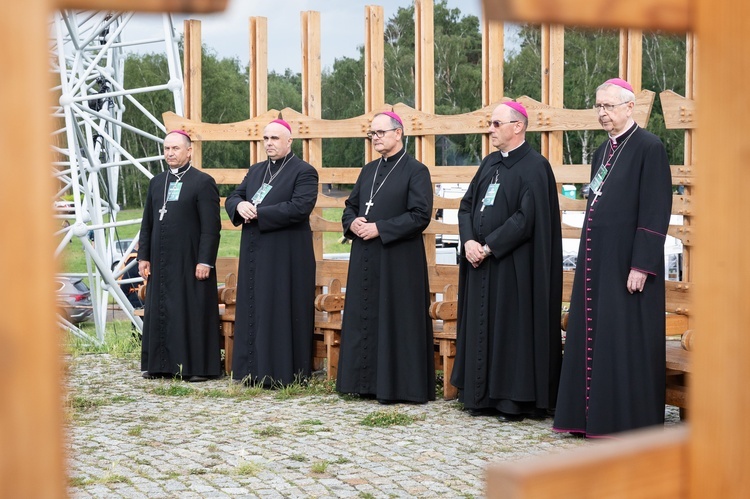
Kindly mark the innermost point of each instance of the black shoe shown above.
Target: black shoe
(196, 379)
(509, 418)
(484, 411)
(386, 402)
(147, 375)
(538, 415)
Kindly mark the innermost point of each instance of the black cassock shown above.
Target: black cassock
(386, 337)
(181, 323)
(508, 349)
(275, 313)
(613, 373)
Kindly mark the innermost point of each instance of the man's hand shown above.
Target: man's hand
(247, 210)
(364, 229)
(144, 269)
(474, 253)
(636, 281)
(202, 271)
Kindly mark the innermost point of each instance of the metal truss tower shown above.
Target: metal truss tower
(88, 51)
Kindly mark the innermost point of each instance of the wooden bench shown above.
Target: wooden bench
(677, 353)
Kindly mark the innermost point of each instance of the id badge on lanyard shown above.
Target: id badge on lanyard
(173, 194)
(490, 195)
(261, 193)
(598, 180)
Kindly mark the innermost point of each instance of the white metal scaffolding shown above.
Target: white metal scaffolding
(88, 51)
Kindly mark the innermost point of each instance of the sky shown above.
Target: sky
(342, 25)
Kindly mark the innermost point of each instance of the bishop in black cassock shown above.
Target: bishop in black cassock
(508, 348)
(613, 373)
(275, 314)
(386, 336)
(177, 250)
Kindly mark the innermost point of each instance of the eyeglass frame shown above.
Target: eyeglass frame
(608, 108)
(380, 133)
(497, 123)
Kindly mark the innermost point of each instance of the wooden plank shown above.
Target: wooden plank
(258, 78)
(187, 6)
(719, 397)
(679, 112)
(678, 358)
(374, 55)
(631, 57)
(648, 463)
(32, 424)
(669, 15)
(542, 118)
(192, 69)
(493, 55)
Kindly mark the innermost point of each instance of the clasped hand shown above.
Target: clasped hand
(474, 253)
(247, 210)
(364, 229)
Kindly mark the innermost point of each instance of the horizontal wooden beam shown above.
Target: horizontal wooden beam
(542, 118)
(194, 6)
(669, 15)
(645, 463)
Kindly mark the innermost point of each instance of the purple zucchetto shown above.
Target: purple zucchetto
(620, 83)
(283, 123)
(517, 106)
(394, 116)
(181, 132)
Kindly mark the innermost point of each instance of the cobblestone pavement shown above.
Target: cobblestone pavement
(136, 438)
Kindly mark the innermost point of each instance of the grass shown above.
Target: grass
(119, 341)
(319, 467)
(269, 431)
(173, 389)
(247, 468)
(135, 431)
(388, 418)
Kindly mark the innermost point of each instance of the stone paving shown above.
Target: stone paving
(135, 438)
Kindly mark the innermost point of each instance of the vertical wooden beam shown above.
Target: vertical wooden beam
(424, 93)
(553, 73)
(192, 69)
(719, 399)
(311, 95)
(374, 65)
(493, 59)
(691, 53)
(31, 419)
(424, 73)
(631, 57)
(258, 78)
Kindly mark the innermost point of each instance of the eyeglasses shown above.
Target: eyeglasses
(497, 123)
(607, 107)
(379, 133)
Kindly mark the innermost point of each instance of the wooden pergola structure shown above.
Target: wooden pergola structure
(708, 458)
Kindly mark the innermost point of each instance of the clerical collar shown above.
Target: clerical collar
(273, 161)
(393, 157)
(505, 154)
(181, 169)
(616, 138)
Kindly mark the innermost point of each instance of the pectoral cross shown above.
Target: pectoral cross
(162, 211)
(369, 205)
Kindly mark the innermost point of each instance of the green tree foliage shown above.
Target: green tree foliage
(458, 73)
(591, 57)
